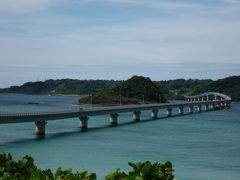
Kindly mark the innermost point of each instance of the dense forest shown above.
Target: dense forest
(176, 89)
(62, 86)
(136, 90)
(171, 89)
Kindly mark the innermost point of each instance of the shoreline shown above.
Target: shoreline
(67, 95)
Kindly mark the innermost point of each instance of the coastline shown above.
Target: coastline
(66, 95)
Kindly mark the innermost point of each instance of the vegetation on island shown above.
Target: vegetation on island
(62, 86)
(25, 169)
(170, 89)
(177, 89)
(136, 90)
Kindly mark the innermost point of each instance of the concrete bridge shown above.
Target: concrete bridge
(208, 96)
(40, 119)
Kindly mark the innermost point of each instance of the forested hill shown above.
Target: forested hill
(229, 86)
(171, 89)
(176, 89)
(63, 86)
(136, 90)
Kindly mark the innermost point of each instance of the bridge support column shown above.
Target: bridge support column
(169, 112)
(154, 114)
(199, 108)
(190, 109)
(206, 107)
(180, 110)
(221, 105)
(136, 115)
(84, 122)
(40, 127)
(228, 106)
(113, 120)
(213, 106)
(207, 98)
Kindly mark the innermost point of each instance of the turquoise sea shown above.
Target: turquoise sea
(202, 146)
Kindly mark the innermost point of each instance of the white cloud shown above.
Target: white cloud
(198, 33)
(24, 6)
(150, 3)
(150, 41)
(60, 39)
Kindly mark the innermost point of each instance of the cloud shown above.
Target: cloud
(24, 6)
(150, 41)
(169, 4)
(189, 37)
(116, 33)
(148, 3)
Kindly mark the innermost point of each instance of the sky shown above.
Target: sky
(115, 39)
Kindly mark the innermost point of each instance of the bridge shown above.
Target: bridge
(208, 96)
(40, 118)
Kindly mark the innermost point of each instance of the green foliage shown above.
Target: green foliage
(139, 86)
(63, 86)
(132, 91)
(25, 169)
(144, 171)
(176, 89)
(68, 174)
(229, 86)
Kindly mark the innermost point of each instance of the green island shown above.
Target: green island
(136, 90)
(25, 169)
(169, 89)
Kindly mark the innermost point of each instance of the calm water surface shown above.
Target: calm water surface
(202, 146)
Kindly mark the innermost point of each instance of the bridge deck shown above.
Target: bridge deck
(46, 116)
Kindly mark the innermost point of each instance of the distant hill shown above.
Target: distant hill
(171, 89)
(135, 90)
(229, 86)
(176, 89)
(62, 86)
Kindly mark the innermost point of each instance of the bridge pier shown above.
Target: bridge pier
(211, 106)
(84, 122)
(154, 114)
(136, 115)
(40, 127)
(169, 112)
(206, 107)
(180, 110)
(113, 120)
(199, 108)
(227, 105)
(221, 106)
(190, 109)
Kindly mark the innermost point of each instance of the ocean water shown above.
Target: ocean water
(202, 146)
